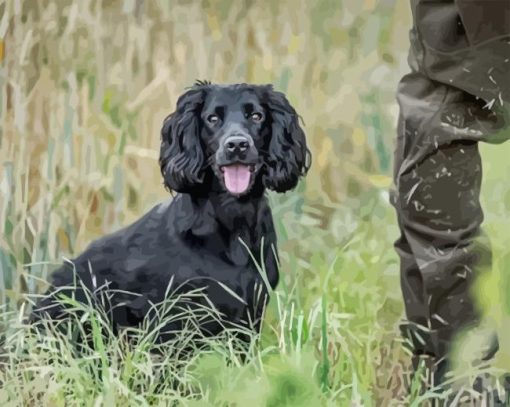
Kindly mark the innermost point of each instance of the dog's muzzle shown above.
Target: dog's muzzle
(238, 157)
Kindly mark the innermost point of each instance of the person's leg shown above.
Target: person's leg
(415, 329)
(453, 99)
(437, 179)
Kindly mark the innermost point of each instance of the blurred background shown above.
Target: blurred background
(85, 86)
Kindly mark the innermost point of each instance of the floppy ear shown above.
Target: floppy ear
(288, 157)
(181, 156)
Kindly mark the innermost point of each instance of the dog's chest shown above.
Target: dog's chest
(226, 284)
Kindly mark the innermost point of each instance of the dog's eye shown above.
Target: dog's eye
(213, 119)
(256, 117)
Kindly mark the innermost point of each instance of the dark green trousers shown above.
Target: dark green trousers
(455, 96)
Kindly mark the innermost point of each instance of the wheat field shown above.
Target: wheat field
(84, 88)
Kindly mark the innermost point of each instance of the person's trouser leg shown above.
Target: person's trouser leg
(438, 178)
(454, 98)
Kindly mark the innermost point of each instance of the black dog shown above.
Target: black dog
(221, 148)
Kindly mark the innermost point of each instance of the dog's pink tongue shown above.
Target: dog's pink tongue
(237, 178)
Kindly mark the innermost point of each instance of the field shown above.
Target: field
(84, 88)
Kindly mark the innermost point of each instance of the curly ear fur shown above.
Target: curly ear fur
(181, 156)
(288, 157)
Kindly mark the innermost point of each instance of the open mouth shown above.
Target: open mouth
(237, 177)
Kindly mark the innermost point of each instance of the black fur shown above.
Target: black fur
(195, 241)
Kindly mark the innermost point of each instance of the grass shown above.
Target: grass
(84, 87)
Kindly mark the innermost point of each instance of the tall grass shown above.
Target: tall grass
(84, 87)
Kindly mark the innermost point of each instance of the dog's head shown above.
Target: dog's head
(244, 135)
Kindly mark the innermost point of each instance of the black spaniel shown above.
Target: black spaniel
(221, 148)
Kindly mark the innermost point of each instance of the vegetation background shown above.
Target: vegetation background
(84, 88)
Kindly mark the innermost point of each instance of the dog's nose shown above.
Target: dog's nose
(237, 144)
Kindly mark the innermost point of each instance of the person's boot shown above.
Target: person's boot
(433, 375)
(430, 374)
(485, 391)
